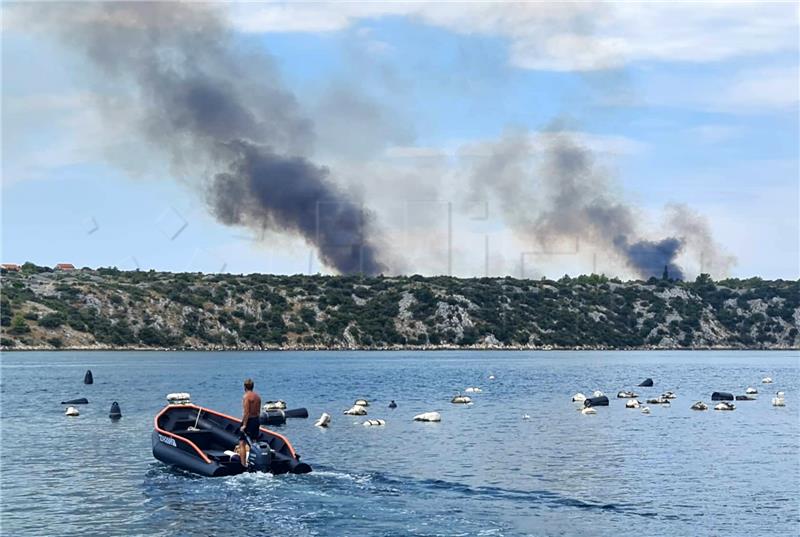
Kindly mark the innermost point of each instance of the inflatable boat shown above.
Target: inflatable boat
(202, 441)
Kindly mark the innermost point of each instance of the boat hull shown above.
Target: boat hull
(198, 443)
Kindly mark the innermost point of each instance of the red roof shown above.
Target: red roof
(10, 266)
(65, 266)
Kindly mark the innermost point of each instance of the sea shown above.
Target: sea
(521, 459)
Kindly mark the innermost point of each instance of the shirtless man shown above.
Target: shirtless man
(251, 408)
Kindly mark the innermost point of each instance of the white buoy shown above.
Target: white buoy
(725, 405)
(578, 398)
(627, 395)
(72, 411)
(361, 402)
(473, 389)
(323, 420)
(597, 393)
(751, 391)
(645, 410)
(374, 423)
(461, 400)
(588, 410)
(275, 405)
(179, 398)
(428, 416)
(526, 417)
(356, 410)
(766, 380)
(491, 377)
(632, 403)
(779, 399)
(699, 405)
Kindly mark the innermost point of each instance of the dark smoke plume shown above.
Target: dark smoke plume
(566, 198)
(215, 105)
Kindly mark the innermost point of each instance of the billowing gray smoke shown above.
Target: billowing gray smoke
(264, 188)
(566, 198)
(216, 105)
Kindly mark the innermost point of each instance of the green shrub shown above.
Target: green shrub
(52, 320)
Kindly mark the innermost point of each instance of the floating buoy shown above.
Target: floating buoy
(526, 417)
(588, 410)
(725, 405)
(751, 391)
(179, 398)
(596, 401)
(81, 401)
(473, 389)
(699, 405)
(721, 396)
(491, 377)
(323, 420)
(361, 402)
(648, 382)
(668, 395)
(274, 405)
(374, 423)
(272, 417)
(428, 416)
(87, 378)
(578, 398)
(392, 404)
(115, 413)
(645, 410)
(461, 400)
(627, 395)
(633, 403)
(779, 399)
(356, 410)
(766, 380)
(72, 411)
(598, 393)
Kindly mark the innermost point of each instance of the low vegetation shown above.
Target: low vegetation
(109, 308)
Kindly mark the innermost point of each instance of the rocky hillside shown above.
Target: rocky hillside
(107, 308)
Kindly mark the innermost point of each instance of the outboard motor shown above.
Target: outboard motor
(260, 457)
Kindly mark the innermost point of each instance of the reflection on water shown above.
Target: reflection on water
(482, 471)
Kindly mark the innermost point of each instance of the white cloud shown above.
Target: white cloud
(772, 88)
(601, 144)
(714, 133)
(566, 36)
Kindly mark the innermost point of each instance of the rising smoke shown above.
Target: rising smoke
(219, 112)
(216, 105)
(566, 197)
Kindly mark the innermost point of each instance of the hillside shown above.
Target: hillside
(111, 309)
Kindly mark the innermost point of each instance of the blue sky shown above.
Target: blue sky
(699, 109)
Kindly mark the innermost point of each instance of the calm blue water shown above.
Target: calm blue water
(482, 471)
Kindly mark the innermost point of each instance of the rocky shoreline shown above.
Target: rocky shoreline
(395, 348)
(107, 309)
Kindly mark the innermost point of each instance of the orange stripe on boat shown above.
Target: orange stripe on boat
(220, 414)
(178, 437)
